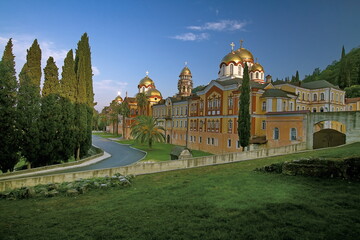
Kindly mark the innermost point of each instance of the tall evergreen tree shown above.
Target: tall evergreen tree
(68, 78)
(68, 99)
(50, 121)
(142, 102)
(342, 78)
(297, 77)
(9, 147)
(85, 95)
(244, 110)
(28, 105)
(358, 76)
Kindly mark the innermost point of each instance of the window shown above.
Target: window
(303, 96)
(238, 145)
(230, 126)
(291, 106)
(231, 69)
(293, 134)
(314, 109)
(263, 124)
(191, 138)
(194, 138)
(186, 123)
(257, 75)
(212, 141)
(181, 124)
(229, 142)
(321, 109)
(230, 102)
(177, 123)
(276, 133)
(315, 97)
(200, 139)
(208, 141)
(322, 96)
(264, 106)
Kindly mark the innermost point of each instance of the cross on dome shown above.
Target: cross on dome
(147, 73)
(241, 43)
(119, 93)
(186, 63)
(232, 46)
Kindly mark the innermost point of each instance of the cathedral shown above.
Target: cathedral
(205, 117)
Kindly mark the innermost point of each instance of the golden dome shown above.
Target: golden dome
(153, 92)
(146, 81)
(231, 57)
(245, 54)
(257, 67)
(119, 99)
(185, 71)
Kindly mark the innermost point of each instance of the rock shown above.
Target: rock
(72, 192)
(52, 193)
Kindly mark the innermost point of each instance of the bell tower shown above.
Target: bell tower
(185, 83)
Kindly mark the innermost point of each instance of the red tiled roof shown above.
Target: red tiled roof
(352, 100)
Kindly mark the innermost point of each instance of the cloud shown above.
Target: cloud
(223, 25)
(95, 71)
(110, 85)
(192, 37)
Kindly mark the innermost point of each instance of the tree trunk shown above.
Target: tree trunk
(78, 154)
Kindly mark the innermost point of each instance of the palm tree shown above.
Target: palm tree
(141, 102)
(145, 129)
(115, 109)
(125, 112)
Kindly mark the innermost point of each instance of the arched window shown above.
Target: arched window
(303, 96)
(314, 109)
(276, 133)
(231, 69)
(322, 96)
(284, 106)
(308, 97)
(321, 109)
(293, 134)
(257, 75)
(239, 69)
(315, 97)
(264, 106)
(230, 102)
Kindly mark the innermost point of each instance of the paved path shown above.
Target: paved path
(121, 155)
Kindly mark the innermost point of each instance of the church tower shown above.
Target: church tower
(185, 83)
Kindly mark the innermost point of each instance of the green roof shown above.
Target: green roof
(318, 84)
(275, 93)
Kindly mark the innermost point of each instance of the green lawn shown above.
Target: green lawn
(159, 151)
(229, 201)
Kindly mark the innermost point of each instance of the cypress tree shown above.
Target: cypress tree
(342, 77)
(85, 96)
(50, 124)
(68, 99)
(9, 147)
(358, 76)
(244, 110)
(28, 106)
(297, 77)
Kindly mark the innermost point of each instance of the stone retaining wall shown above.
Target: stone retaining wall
(146, 168)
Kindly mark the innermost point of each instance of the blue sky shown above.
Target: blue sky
(128, 38)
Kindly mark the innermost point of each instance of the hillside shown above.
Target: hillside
(351, 62)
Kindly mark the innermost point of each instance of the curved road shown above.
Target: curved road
(121, 155)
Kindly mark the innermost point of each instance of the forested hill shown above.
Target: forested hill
(348, 65)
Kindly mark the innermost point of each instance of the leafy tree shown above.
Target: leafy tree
(9, 147)
(353, 91)
(145, 130)
(244, 111)
(115, 110)
(141, 102)
(357, 82)
(28, 105)
(50, 121)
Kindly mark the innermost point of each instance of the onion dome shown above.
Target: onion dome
(231, 57)
(245, 54)
(119, 99)
(153, 92)
(185, 72)
(146, 81)
(257, 67)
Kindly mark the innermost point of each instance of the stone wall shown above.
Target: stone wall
(146, 168)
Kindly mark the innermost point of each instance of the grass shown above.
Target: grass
(106, 135)
(229, 201)
(159, 151)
